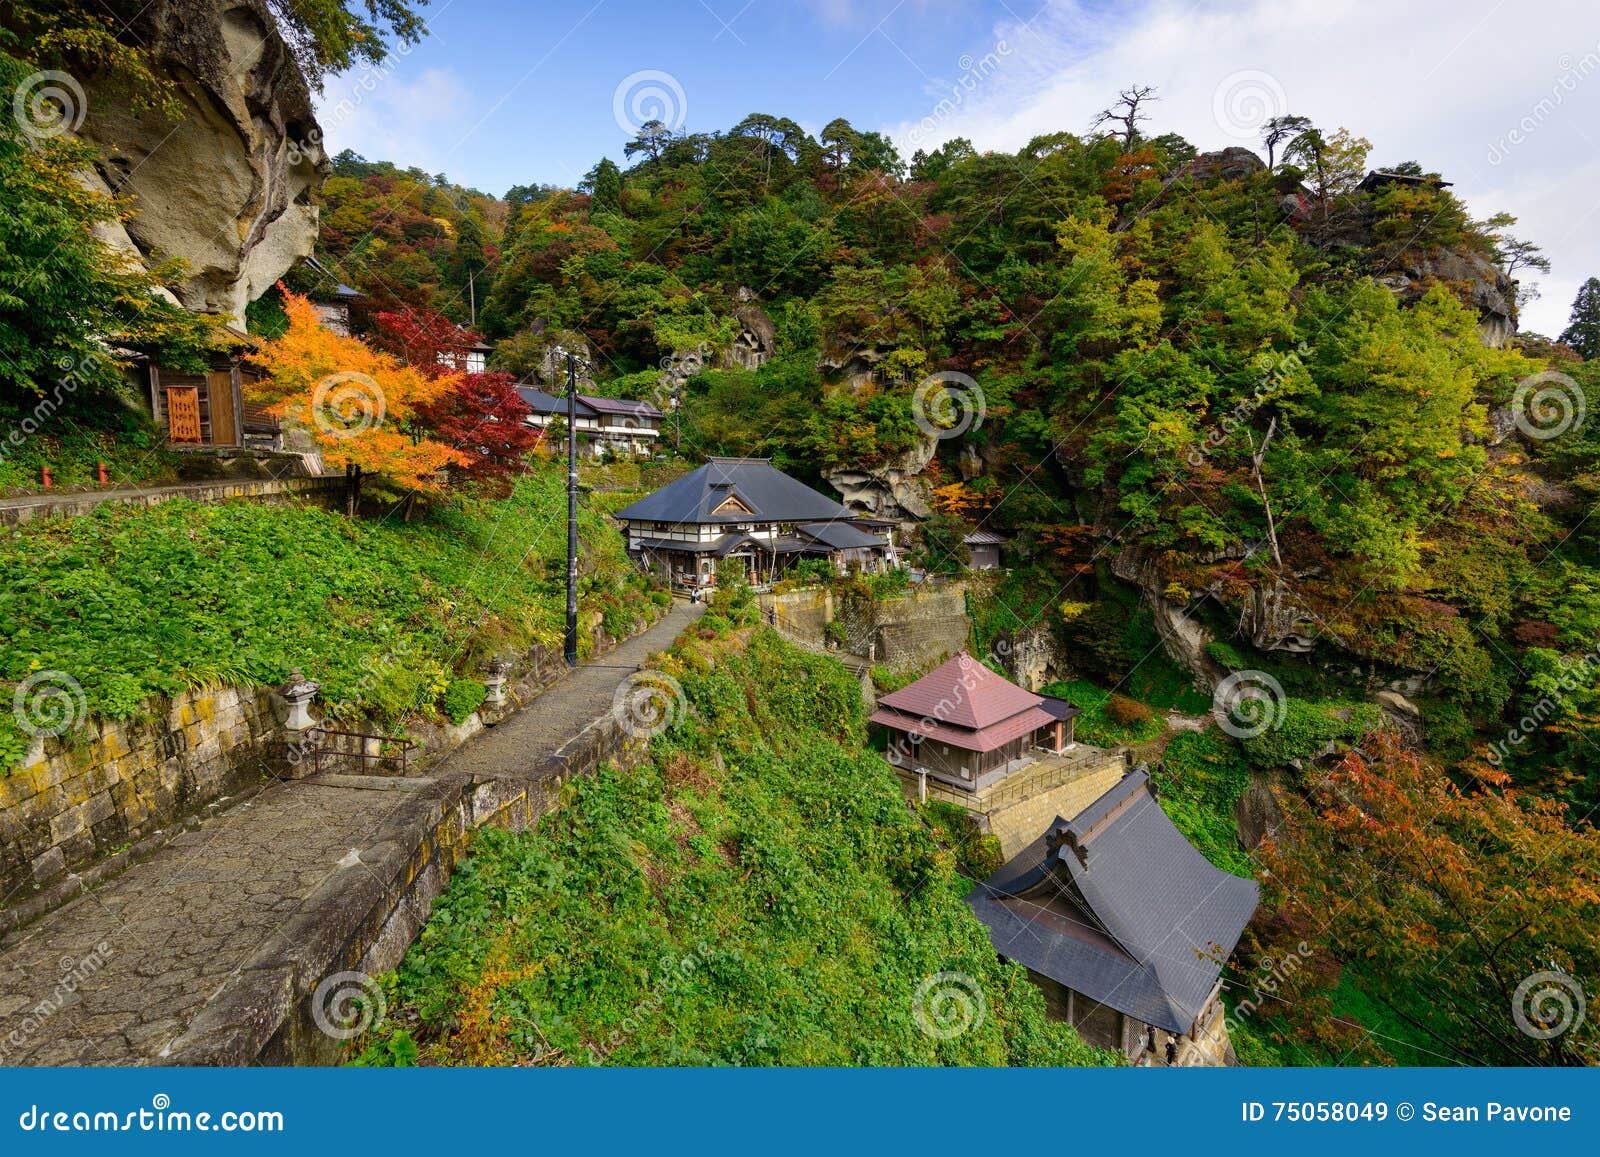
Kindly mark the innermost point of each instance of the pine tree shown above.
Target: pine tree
(1583, 330)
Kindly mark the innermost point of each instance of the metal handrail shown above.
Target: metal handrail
(322, 752)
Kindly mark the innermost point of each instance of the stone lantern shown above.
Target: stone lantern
(298, 693)
(494, 680)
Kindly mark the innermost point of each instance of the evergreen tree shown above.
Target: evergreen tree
(1583, 330)
(607, 186)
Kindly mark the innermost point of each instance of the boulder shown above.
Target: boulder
(227, 186)
(893, 490)
(1472, 277)
(757, 340)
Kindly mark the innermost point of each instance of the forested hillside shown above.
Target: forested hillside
(1249, 419)
(1264, 393)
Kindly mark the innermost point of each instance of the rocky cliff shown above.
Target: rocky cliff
(227, 186)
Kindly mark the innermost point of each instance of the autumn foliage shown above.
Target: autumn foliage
(1467, 911)
(361, 406)
(480, 415)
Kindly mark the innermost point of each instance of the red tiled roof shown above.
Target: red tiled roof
(964, 693)
(985, 739)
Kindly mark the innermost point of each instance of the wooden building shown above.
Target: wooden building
(616, 424)
(744, 512)
(196, 410)
(984, 546)
(964, 725)
(1123, 925)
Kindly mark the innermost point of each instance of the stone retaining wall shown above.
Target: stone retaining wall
(913, 629)
(366, 915)
(71, 505)
(112, 785)
(109, 793)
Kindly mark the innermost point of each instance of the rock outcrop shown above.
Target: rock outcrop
(1472, 277)
(895, 490)
(756, 342)
(227, 187)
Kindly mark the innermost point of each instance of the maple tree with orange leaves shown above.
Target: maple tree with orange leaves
(360, 405)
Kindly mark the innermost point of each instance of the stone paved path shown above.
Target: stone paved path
(116, 975)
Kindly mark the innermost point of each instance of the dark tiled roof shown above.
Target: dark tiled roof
(985, 538)
(620, 406)
(542, 403)
(769, 494)
(840, 535)
(963, 692)
(1117, 905)
(1058, 708)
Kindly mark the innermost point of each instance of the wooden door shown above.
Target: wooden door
(183, 415)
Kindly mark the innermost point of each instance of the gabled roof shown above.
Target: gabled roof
(962, 692)
(985, 538)
(769, 494)
(1116, 904)
(839, 535)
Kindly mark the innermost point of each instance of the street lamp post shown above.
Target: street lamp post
(571, 647)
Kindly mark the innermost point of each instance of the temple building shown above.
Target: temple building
(1124, 926)
(744, 512)
(964, 725)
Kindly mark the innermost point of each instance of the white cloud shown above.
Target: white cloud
(381, 114)
(1442, 82)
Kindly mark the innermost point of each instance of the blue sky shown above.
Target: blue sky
(1507, 106)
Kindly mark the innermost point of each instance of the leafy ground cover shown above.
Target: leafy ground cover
(386, 615)
(756, 892)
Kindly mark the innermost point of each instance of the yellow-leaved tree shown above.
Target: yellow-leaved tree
(358, 403)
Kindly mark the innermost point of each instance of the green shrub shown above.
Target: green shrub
(462, 698)
(1301, 729)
